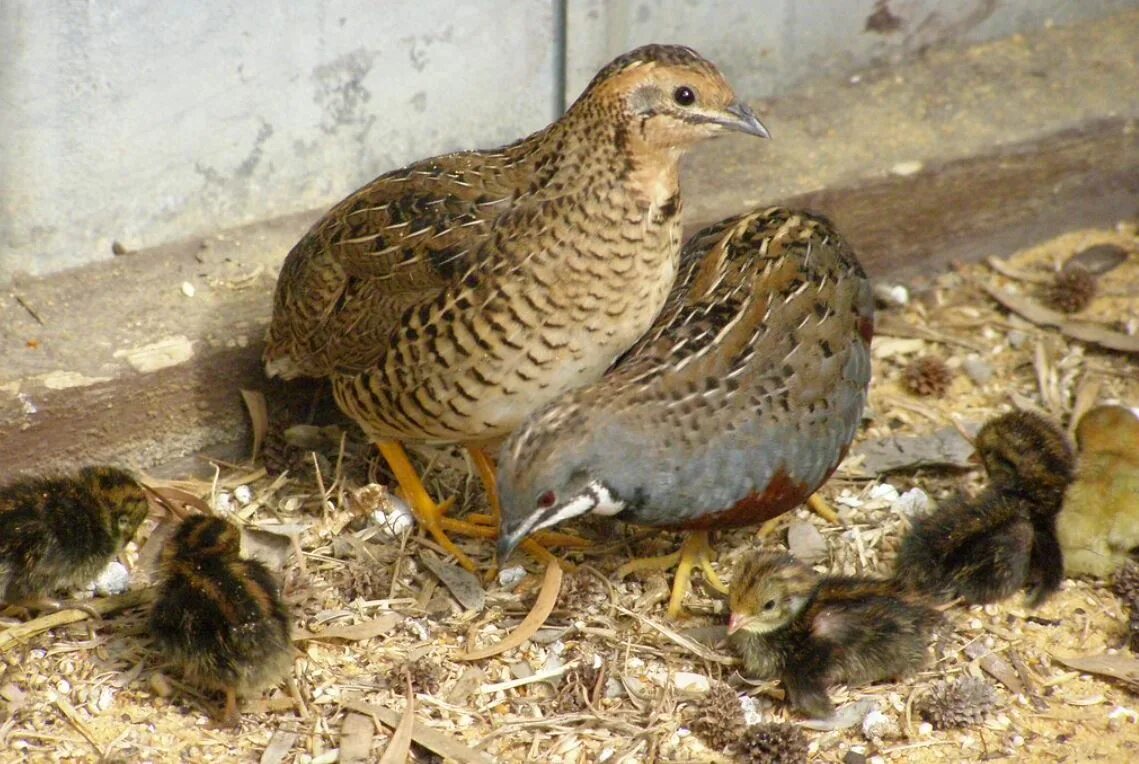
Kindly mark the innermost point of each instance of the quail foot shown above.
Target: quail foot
(449, 299)
(735, 407)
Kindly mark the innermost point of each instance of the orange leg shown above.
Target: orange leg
(694, 552)
(431, 515)
(819, 506)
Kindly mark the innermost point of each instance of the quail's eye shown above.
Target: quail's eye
(684, 95)
(769, 605)
(547, 500)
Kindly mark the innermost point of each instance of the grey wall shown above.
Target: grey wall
(144, 122)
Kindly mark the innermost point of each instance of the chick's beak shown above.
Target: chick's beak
(735, 621)
(741, 118)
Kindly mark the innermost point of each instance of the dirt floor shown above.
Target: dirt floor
(608, 677)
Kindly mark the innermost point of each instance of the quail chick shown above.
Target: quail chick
(735, 407)
(217, 617)
(60, 532)
(988, 547)
(449, 299)
(809, 631)
(1098, 527)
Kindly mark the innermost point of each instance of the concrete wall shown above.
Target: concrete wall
(144, 122)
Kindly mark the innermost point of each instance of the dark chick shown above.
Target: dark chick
(986, 548)
(812, 631)
(220, 619)
(58, 533)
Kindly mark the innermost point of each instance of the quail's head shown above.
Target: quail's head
(556, 467)
(1108, 429)
(120, 501)
(1026, 453)
(768, 590)
(670, 97)
(202, 536)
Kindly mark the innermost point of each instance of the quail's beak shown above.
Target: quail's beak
(742, 119)
(507, 541)
(735, 623)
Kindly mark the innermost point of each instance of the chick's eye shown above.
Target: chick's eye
(769, 605)
(684, 95)
(547, 500)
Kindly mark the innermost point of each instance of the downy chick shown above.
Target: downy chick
(810, 631)
(1099, 525)
(219, 618)
(58, 533)
(986, 548)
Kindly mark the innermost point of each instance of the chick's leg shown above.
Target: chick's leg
(694, 552)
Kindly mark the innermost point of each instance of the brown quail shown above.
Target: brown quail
(789, 623)
(449, 299)
(1098, 527)
(738, 403)
(988, 547)
(217, 617)
(60, 532)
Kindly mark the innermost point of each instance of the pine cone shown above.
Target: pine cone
(773, 743)
(927, 375)
(720, 720)
(1072, 290)
(1126, 584)
(1126, 587)
(960, 703)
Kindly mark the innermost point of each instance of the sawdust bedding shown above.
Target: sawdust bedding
(607, 678)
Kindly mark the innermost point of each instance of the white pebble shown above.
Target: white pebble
(1121, 711)
(508, 577)
(188, 289)
(912, 503)
(925, 728)
(894, 295)
(606, 754)
(113, 579)
(689, 681)
(223, 502)
(884, 491)
(905, 169)
(106, 698)
(63, 687)
(243, 494)
(876, 724)
(750, 707)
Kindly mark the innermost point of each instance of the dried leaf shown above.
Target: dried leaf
(270, 548)
(848, 716)
(279, 746)
(543, 606)
(1098, 259)
(400, 745)
(944, 447)
(175, 500)
(1119, 666)
(357, 632)
(258, 416)
(1080, 330)
(444, 745)
(100, 606)
(465, 586)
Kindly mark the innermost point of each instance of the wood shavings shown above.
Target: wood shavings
(100, 607)
(376, 627)
(428, 738)
(258, 416)
(279, 746)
